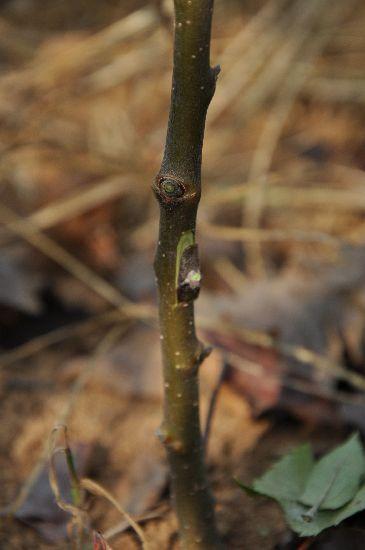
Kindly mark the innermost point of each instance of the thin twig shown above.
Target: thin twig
(258, 25)
(65, 259)
(346, 90)
(296, 35)
(44, 75)
(274, 124)
(98, 490)
(230, 274)
(212, 404)
(122, 526)
(74, 392)
(251, 58)
(281, 196)
(80, 519)
(303, 355)
(73, 330)
(287, 381)
(226, 233)
(69, 207)
(74, 478)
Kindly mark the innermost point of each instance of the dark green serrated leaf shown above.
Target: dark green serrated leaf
(335, 478)
(286, 479)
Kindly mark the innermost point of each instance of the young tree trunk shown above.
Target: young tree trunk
(177, 188)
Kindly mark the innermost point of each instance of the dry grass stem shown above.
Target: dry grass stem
(98, 490)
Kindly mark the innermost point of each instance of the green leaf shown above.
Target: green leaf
(297, 513)
(335, 478)
(317, 496)
(247, 489)
(286, 479)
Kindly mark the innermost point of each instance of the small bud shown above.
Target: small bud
(193, 279)
(171, 188)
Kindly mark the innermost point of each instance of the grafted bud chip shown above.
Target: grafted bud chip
(189, 275)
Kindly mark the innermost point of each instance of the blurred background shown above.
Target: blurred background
(84, 97)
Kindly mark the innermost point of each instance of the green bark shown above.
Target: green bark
(177, 188)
